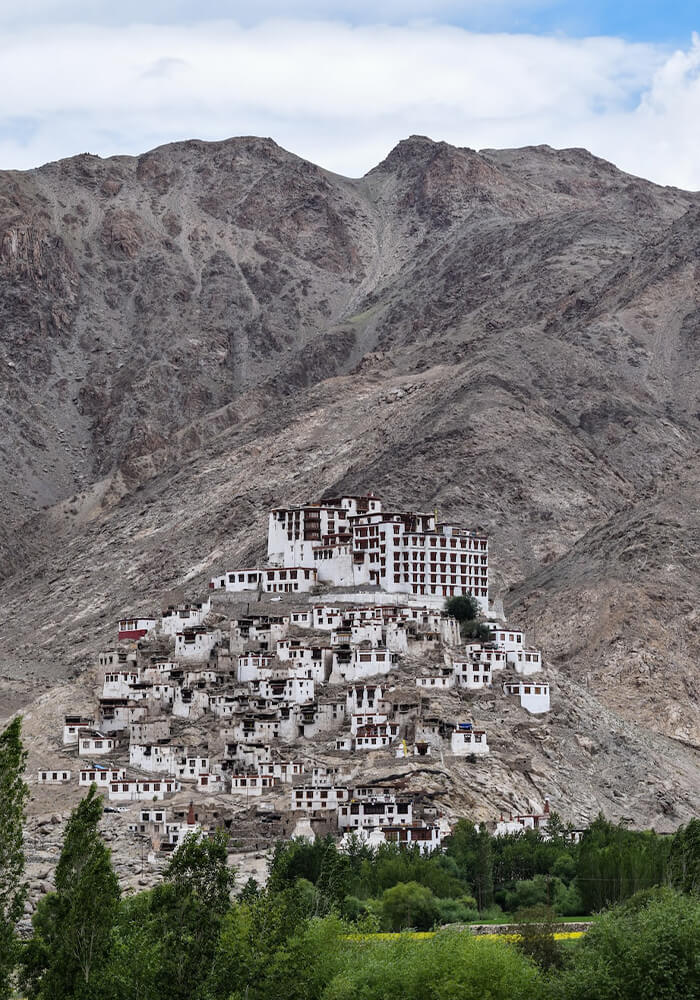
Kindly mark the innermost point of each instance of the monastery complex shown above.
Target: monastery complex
(275, 704)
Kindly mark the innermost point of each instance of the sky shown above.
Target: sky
(340, 83)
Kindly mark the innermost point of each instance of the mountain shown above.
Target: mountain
(192, 336)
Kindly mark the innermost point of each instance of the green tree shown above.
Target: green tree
(648, 948)
(464, 608)
(134, 968)
(684, 858)
(614, 863)
(457, 911)
(188, 909)
(536, 940)
(249, 960)
(73, 925)
(333, 883)
(13, 797)
(472, 849)
(409, 904)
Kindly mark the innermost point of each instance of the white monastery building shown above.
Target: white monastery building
(350, 541)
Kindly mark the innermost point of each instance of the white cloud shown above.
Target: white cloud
(342, 95)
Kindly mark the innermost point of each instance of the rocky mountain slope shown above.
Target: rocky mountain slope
(192, 336)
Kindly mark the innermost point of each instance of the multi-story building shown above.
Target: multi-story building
(376, 812)
(351, 541)
(311, 798)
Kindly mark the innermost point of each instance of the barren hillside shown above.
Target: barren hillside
(192, 336)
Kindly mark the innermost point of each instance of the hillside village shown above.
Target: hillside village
(315, 694)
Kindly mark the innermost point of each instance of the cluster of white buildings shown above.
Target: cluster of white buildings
(477, 662)
(320, 670)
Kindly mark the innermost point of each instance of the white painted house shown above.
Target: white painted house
(363, 698)
(426, 836)
(196, 643)
(252, 784)
(297, 690)
(53, 776)
(354, 664)
(376, 737)
(92, 743)
(466, 740)
(119, 683)
(534, 696)
(523, 821)
(378, 812)
(442, 681)
(251, 665)
(268, 580)
(131, 790)
(135, 628)
(311, 798)
(72, 724)
(101, 776)
(358, 720)
(473, 673)
(176, 619)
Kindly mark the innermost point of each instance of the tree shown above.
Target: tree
(684, 859)
(13, 797)
(536, 936)
(199, 869)
(464, 608)
(409, 904)
(188, 909)
(648, 947)
(133, 971)
(73, 925)
(333, 882)
(614, 863)
(472, 849)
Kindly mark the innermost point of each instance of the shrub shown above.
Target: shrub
(457, 911)
(646, 949)
(409, 904)
(444, 967)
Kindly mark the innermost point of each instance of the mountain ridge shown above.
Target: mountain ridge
(508, 335)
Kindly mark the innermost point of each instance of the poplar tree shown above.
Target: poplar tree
(13, 797)
(73, 925)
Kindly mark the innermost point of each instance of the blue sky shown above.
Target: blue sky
(672, 22)
(341, 82)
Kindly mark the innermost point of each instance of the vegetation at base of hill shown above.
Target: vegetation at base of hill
(73, 925)
(647, 948)
(479, 876)
(13, 798)
(309, 934)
